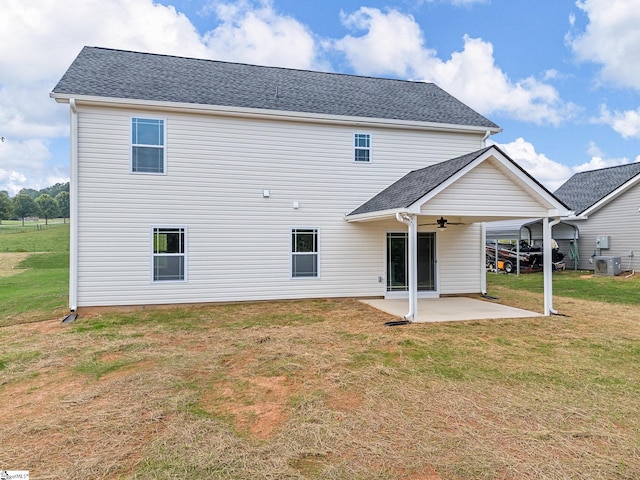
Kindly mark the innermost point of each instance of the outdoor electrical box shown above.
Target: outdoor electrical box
(602, 242)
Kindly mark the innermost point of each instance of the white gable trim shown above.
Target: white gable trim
(556, 208)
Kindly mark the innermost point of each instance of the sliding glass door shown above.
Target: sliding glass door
(398, 262)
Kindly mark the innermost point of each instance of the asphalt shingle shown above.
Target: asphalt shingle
(416, 184)
(585, 189)
(101, 72)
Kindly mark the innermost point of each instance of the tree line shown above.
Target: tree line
(50, 202)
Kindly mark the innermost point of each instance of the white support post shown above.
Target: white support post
(546, 264)
(411, 222)
(547, 228)
(413, 266)
(483, 259)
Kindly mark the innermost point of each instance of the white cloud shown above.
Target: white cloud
(255, 33)
(548, 172)
(393, 43)
(551, 173)
(597, 163)
(598, 160)
(626, 123)
(20, 162)
(40, 38)
(460, 3)
(612, 39)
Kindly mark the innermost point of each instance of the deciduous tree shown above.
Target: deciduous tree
(64, 204)
(6, 208)
(47, 207)
(24, 206)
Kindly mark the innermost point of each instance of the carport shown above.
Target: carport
(531, 231)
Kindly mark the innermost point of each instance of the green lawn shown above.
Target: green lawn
(580, 285)
(40, 290)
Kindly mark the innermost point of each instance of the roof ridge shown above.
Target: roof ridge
(275, 67)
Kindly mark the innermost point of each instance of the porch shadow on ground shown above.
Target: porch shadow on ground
(450, 309)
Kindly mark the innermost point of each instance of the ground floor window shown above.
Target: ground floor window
(169, 254)
(304, 252)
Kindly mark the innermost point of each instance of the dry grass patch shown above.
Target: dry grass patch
(9, 262)
(323, 390)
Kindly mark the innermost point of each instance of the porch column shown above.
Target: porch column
(547, 263)
(411, 221)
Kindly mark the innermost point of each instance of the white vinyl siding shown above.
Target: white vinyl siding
(485, 191)
(459, 250)
(618, 219)
(239, 245)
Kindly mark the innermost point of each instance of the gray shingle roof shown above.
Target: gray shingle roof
(111, 73)
(585, 189)
(416, 184)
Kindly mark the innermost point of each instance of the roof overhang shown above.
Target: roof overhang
(554, 207)
(230, 111)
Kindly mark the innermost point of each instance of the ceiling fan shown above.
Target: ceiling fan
(442, 223)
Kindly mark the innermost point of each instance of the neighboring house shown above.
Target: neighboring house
(606, 204)
(203, 181)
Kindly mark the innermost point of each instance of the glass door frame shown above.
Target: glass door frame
(402, 291)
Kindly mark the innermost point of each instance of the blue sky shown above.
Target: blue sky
(561, 77)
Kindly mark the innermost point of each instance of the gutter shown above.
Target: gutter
(333, 119)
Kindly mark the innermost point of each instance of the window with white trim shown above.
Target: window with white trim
(169, 254)
(304, 252)
(362, 144)
(148, 153)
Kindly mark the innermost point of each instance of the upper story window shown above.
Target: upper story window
(148, 146)
(362, 143)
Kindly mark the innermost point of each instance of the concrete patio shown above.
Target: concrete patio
(450, 309)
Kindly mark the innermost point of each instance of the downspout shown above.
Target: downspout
(73, 210)
(483, 259)
(484, 139)
(547, 227)
(412, 225)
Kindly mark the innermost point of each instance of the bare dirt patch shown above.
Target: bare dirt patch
(9, 262)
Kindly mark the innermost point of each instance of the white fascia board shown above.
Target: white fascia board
(374, 216)
(273, 114)
(575, 218)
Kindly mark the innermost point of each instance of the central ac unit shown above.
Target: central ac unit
(607, 266)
